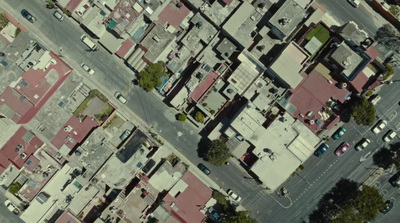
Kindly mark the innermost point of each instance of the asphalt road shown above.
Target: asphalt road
(113, 74)
(363, 15)
(306, 188)
(7, 216)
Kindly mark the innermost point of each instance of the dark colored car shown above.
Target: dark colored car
(28, 16)
(389, 205)
(204, 169)
(339, 133)
(395, 180)
(321, 150)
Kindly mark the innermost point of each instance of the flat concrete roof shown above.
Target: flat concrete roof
(214, 99)
(166, 176)
(345, 57)
(156, 41)
(350, 31)
(94, 21)
(288, 16)
(218, 13)
(202, 30)
(289, 63)
(37, 210)
(110, 42)
(248, 121)
(180, 59)
(262, 93)
(242, 23)
(226, 48)
(246, 73)
(291, 143)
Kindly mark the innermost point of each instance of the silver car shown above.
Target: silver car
(58, 15)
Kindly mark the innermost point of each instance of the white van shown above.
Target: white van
(354, 3)
(120, 97)
(88, 42)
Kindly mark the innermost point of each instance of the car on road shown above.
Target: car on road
(120, 97)
(321, 150)
(28, 16)
(11, 207)
(87, 68)
(354, 3)
(362, 144)
(339, 133)
(58, 15)
(204, 169)
(379, 126)
(342, 149)
(389, 136)
(234, 196)
(395, 180)
(388, 206)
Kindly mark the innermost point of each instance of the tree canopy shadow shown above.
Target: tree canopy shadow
(202, 147)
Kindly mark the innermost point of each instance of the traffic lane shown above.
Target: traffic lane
(343, 12)
(66, 35)
(7, 216)
(322, 182)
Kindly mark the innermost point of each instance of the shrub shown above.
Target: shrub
(17, 32)
(199, 117)
(14, 188)
(212, 111)
(369, 93)
(182, 117)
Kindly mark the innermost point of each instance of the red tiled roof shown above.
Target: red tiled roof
(124, 49)
(372, 52)
(78, 132)
(173, 15)
(29, 148)
(227, 2)
(4, 163)
(34, 162)
(72, 4)
(359, 82)
(67, 217)
(203, 86)
(312, 94)
(37, 92)
(190, 201)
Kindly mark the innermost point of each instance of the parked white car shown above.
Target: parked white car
(87, 68)
(120, 98)
(11, 207)
(379, 126)
(234, 196)
(389, 136)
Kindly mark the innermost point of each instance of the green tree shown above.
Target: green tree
(14, 188)
(182, 117)
(368, 202)
(199, 117)
(151, 76)
(3, 20)
(383, 158)
(364, 112)
(218, 153)
(240, 217)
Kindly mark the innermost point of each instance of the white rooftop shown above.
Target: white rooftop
(247, 72)
(36, 212)
(248, 121)
(289, 63)
(290, 141)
